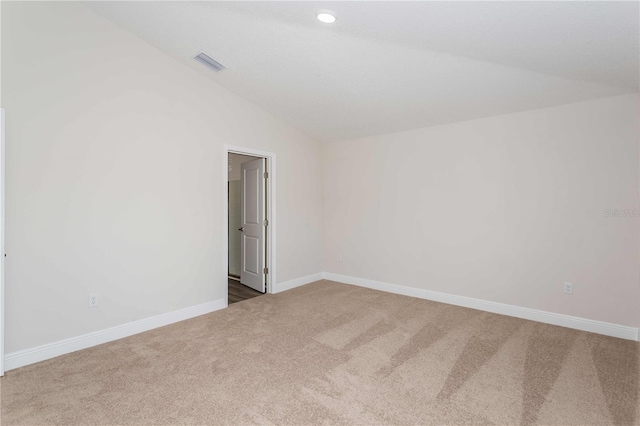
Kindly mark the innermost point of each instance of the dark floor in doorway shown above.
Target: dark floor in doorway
(239, 292)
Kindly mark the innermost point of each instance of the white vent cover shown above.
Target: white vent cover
(207, 60)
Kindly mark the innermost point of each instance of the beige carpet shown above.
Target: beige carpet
(330, 353)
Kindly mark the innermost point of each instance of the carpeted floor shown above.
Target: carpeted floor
(329, 353)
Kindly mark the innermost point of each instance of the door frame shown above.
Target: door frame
(2, 252)
(270, 188)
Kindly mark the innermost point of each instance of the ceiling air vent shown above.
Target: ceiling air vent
(207, 60)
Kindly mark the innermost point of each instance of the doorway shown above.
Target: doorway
(249, 219)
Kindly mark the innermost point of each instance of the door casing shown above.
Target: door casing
(270, 159)
(2, 165)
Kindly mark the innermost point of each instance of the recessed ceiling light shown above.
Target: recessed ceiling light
(326, 16)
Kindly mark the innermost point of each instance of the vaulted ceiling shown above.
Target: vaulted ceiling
(391, 66)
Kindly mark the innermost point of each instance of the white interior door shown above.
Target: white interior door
(252, 248)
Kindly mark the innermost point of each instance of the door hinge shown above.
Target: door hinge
(266, 175)
(266, 222)
(265, 270)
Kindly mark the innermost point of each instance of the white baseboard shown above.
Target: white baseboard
(40, 353)
(288, 285)
(30, 356)
(599, 327)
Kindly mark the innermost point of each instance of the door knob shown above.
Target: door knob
(241, 229)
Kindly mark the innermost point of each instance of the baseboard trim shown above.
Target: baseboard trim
(583, 324)
(41, 353)
(297, 282)
(51, 350)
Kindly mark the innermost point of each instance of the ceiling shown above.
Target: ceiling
(391, 66)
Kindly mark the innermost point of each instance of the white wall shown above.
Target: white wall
(113, 187)
(113, 177)
(503, 209)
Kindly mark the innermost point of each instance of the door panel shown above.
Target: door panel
(251, 254)
(252, 259)
(251, 208)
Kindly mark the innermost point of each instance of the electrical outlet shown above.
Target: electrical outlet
(93, 300)
(568, 288)
(339, 258)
